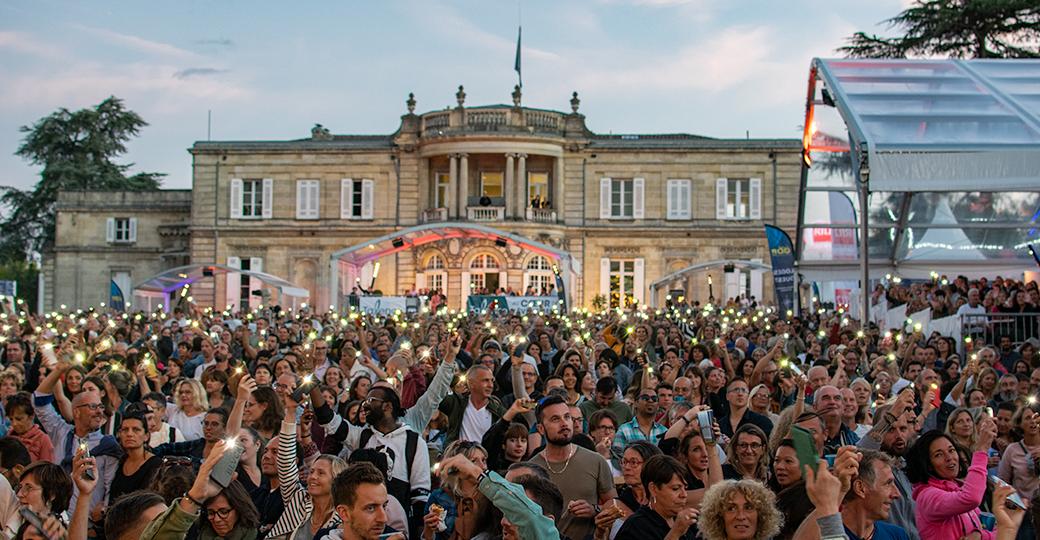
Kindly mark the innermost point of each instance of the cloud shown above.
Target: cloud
(198, 72)
(136, 43)
(27, 44)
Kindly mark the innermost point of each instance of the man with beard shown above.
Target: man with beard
(409, 475)
(88, 415)
(828, 404)
(891, 434)
(643, 427)
(870, 499)
(583, 476)
(361, 497)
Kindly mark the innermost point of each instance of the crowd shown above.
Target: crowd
(731, 421)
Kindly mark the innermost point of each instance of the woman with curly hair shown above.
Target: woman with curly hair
(666, 515)
(743, 509)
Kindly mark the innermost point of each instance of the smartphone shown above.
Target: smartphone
(303, 389)
(707, 420)
(89, 473)
(32, 518)
(222, 471)
(1014, 498)
(804, 447)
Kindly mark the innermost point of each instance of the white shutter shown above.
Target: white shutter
(133, 230)
(315, 199)
(755, 198)
(346, 195)
(721, 196)
(301, 199)
(638, 189)
(639, 281)
(256, 264)
(604, 278)
(110, 230)
(672, 197)
(268, 196)
(420, 281)
(604, 198)
(465, 292)
(307, 192)
(686, 202)
(236, 198)
(233, 284)
(503, 281)
(367, 194)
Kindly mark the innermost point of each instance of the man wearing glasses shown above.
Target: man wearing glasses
(738, 413)
(642, 427)
(88, 415)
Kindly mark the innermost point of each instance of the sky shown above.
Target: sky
(270, 70)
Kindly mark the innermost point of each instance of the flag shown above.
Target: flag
(781, 253)
(116, 299)
(516, 65)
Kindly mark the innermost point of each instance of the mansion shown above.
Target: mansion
(482, 197)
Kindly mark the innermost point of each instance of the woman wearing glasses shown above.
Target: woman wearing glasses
(747, 455)
(45, 489)
(632, 495)
(230, 514)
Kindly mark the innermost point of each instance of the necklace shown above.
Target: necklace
(565, 464)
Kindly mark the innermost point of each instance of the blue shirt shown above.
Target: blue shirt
(630, 432)
(882, 531)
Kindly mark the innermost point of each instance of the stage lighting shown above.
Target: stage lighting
(500, 242)
(397, 242)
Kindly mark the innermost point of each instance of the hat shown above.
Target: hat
(492, 344)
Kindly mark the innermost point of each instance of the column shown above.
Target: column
(453, 186)
(463, 183)
(521, 186)
(507, 188)
(557, 189)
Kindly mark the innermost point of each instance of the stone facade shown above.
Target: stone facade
(90, 251)
(652, 204)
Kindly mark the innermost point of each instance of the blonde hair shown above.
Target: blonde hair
(201, 400)
(712, 522)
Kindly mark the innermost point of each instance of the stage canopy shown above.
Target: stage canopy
(171, 280)
(346, 262)
(943, 154)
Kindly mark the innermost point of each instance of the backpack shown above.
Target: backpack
(396, 486)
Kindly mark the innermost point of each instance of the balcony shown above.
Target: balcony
(434, 215)
(486, 213)
(541, 215)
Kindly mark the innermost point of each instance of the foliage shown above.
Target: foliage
(26, 274)
(956, 29)
(76, 150)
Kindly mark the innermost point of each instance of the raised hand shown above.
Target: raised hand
(246, 387)
(81, 463)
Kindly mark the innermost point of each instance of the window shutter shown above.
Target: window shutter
(133, 230)
(420, 281)
(301, 199)
(465, 291)
(639, 281)
(604, 278)
(755, 197)
(672, 197)
(687, 198)
(315, 199)
(268, 195)
(638, 187)
(604, 198)
(346, 194)
(367, 194)
(721, 197)
(236, 198)
(110, 230)
(234, 286)
(256, 264)
(503, 281)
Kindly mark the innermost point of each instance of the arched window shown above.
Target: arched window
(538, 277)
(436, 262)
(538, 263)
(483, 261)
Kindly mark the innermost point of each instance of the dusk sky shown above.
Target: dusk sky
(271, 70)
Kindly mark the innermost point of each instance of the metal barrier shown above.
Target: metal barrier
(990, 327)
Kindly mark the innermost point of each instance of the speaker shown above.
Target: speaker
(729, 268)
(207, 271)
(397, 243)
(500, 242)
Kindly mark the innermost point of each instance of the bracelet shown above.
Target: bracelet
(193, 501)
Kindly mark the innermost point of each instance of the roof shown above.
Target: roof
(684, 141)
(173, 279)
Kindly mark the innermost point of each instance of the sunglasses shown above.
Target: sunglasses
(645, 397)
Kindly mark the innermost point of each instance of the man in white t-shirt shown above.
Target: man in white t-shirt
(471, 415)
(977, 323)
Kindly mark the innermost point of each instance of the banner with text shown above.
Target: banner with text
(781, 253)
(479, 303)
(383, 305)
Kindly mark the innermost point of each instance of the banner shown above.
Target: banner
(781, 252)
(521, 304)
(382, 305)
(116, 300)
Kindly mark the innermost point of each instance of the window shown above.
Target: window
(307, 197)
(440, 190)
(435, 281)
(251, 198)
(484, 261)
(240, 287)
(538, 190)
(436, 262)
(621, 281)
(476, 281)
(538, 276)
(491, 184)
(679, 199)
(356, 198)
(738, 198)
(621, 198)
(121, 230)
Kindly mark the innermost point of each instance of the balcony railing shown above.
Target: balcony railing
(433, 215)
(485, 213)
(541, 215)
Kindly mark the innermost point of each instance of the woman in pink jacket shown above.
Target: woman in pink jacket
(947, 491)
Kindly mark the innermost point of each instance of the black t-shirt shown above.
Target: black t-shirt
(123, 484)
(645, 524)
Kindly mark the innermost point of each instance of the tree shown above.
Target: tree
(956, 29)
(76, 150)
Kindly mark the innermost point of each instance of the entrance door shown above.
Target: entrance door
(491, 282)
